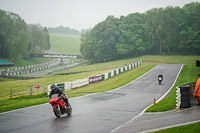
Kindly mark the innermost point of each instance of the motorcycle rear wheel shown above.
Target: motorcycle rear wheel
(56, 111)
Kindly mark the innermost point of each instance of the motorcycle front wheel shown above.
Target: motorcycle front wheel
(56, 111)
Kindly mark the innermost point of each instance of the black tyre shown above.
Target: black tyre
(185, 99)
(185, 104)
(184, 88)
(185, 94)
(56, 111)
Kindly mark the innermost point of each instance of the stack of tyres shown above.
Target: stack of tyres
(185, 96)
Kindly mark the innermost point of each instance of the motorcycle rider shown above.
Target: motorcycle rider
(160, 76)
(56, 90)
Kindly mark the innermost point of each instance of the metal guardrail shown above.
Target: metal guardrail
(28, 69)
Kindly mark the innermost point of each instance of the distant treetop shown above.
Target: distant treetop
(63, 30)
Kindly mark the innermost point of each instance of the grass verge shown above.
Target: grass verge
(23, 62)
(191, 128)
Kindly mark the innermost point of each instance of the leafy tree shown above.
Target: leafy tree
(131, 40)
(47, 39)
(102, 40)
(16, 40)
(171, 30)
(63, 30)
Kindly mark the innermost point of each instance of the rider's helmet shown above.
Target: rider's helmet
(53, 86)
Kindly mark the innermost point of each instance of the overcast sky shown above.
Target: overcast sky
(80, 14)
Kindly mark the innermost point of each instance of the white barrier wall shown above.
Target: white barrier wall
(68, 85)
(126, 68)
(106, 76)
(117, 71)
(130, 66)
(122, 69)
(49, 89)
(79, 83)
(136, 64)
(112, 73)
(82, 82)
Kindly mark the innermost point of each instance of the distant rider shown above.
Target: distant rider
(56, 90)
(160, 76)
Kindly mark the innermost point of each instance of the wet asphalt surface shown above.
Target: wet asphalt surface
(95, 113)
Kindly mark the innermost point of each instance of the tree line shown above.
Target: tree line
(63, 30)
(169, 31)
(18, 40)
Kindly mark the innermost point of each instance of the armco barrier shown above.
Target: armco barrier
(26, 69)
(86, 81)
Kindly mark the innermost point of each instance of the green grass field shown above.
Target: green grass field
(65, 44)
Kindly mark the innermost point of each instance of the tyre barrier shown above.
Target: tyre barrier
(183, 99)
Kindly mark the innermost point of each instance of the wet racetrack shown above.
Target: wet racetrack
(96, 113)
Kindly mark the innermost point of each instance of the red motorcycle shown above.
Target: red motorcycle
(59, 106)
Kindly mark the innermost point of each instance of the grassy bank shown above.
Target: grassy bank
(65, 44)
(23, 62)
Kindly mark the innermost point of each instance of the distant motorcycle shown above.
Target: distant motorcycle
(160, 78)
(59, 106)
